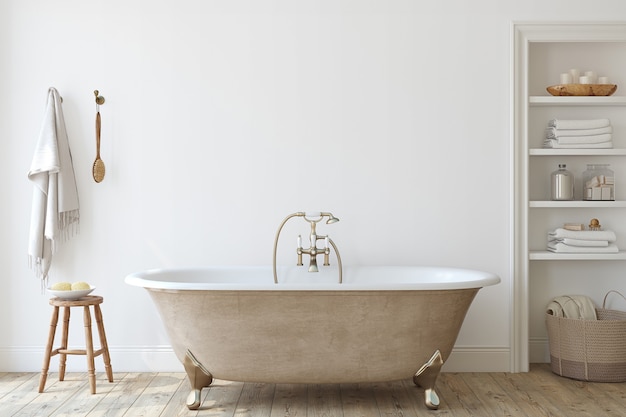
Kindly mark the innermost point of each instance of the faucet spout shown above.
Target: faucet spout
(313, 264)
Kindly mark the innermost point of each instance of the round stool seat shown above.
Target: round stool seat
(85, 302)
(88, 300)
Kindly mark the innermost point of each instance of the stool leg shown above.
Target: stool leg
(46, 359)
(103, 343)
(64, 337)
(91, 367)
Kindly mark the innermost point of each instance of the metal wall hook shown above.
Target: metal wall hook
(99, 98)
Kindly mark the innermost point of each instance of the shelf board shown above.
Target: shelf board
(576, 152)
(576, 204)
(577, 101)
(545, 255)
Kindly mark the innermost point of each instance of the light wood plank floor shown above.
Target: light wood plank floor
(537, 393)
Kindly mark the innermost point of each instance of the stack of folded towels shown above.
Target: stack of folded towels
(571, 134)
(582, 241)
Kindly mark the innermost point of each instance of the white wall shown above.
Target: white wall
(223, 117)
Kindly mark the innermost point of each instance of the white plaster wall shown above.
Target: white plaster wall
(222, 117)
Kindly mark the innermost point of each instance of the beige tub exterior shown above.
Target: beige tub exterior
(317, 332)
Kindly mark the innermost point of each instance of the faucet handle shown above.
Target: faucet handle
(299, 251)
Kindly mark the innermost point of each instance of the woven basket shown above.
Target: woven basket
(589, 350)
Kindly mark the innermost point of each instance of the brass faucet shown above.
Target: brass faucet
(313, 250)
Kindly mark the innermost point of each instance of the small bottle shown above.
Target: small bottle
(562, 184)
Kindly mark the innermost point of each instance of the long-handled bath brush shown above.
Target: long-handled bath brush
(98, 164)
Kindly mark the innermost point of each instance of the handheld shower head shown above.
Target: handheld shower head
(316, 216)
(331, 219)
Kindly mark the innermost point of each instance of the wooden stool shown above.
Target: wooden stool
(63, 351)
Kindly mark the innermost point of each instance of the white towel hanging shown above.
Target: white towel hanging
(55, 211)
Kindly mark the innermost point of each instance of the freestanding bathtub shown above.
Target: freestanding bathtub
(379, 324)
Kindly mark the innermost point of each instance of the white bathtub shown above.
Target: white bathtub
(379, 324)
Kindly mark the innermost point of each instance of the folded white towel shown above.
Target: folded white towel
(554, 133)
(561, 233)
(55, 211)
(553, 143)
(563, 248)
(573, 307)
(579, 123)
(565, 140)
(580, 242)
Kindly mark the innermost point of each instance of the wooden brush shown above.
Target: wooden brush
(98, 164)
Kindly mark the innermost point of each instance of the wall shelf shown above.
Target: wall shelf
(576, 204)
(576, 152)
(544, 255)
(576, 101)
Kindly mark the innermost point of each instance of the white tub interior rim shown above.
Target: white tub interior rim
(355, 278)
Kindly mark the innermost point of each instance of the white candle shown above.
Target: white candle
(584, 79)
(603, 80)
(566, 78)
(592, 77)
(575, 74)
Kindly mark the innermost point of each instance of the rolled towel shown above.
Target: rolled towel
(571, 140)
(579, 123)
(554, 133)
(581, 242)
(573, 307)
(561, 233)
(553, 143)
(563, 248)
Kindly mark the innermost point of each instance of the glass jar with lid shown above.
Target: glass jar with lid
(598, 183)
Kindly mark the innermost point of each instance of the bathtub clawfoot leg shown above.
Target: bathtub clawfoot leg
(426, 378)
(199, 378)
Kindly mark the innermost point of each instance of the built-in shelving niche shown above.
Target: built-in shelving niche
(541, 52)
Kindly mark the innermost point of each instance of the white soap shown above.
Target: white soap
(596, 193)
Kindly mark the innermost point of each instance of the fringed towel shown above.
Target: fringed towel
(55, 213)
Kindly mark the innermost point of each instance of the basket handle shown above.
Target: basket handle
(607, 294)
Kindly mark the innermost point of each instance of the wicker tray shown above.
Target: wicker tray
(589, 350)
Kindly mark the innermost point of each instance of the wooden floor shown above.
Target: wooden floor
(537, 393)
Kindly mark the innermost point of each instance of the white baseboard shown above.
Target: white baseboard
(163, 359)
(478, 359)
(123, 359)
(538, 350)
